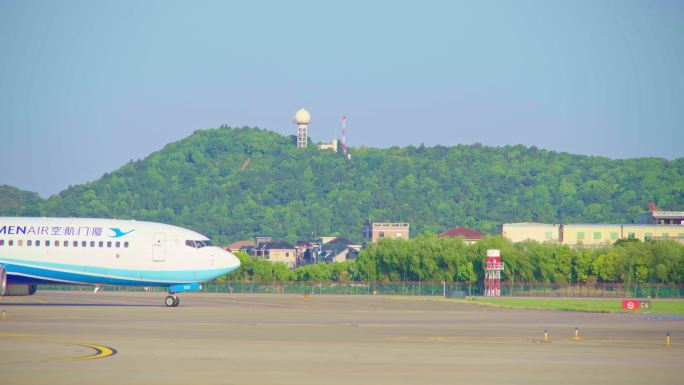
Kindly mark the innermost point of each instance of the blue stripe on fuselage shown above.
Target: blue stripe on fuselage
(21, 280)
(25, 271)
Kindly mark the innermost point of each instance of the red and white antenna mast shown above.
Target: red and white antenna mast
(344, 134)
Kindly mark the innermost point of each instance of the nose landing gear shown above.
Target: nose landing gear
(171, 301)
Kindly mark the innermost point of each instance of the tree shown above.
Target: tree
(236, 183)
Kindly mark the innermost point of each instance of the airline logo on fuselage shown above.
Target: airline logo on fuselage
(82, 231)
(118, 232)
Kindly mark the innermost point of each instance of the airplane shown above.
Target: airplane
(89, 251)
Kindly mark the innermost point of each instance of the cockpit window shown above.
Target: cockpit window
(198, 244)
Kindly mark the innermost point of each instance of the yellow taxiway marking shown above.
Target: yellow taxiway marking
(101, 351)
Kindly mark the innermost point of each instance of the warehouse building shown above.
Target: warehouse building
(586, 234)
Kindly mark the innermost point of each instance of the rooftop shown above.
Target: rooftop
(279, 244)
(240, 244)
(462, 232)
(342, 241)
(528, 224)
(668, 214)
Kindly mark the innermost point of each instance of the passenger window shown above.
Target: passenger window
(2, 242)
(29, 243)
(65, 243)
(126, 244)
(56, 243)
(84, 244)
(75, 243)
(10, 242)
(118, 244)
(38, 243)
(109, 244)
(101, 244)
(92, 243)
(47, 243)
(20, 242)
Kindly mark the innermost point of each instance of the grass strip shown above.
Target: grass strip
(573, 304)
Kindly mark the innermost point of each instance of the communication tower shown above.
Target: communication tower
(493, 269)
(344, 134)
(302, 119)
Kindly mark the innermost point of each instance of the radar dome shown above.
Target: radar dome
(302, 116)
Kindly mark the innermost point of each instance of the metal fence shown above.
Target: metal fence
(339, 288)
(420, 289)
(598, 290)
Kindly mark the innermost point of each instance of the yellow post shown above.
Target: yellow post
(576, 337)
(546, 337)
(667, 340)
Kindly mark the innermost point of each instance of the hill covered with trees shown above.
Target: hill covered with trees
(235, 183)
(13, 198)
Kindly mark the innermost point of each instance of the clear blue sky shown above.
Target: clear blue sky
(87, 85)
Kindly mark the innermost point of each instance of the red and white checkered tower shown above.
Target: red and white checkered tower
(493, 268)
(344, 134)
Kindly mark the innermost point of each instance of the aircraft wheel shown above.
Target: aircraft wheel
(171, 301)
(176, 301)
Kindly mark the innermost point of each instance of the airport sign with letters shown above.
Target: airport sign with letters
(630, 304)
(635, 305)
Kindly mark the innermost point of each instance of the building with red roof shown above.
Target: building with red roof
(240, 246)
(469, 235)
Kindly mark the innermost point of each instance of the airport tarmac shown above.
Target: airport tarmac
(131, 338)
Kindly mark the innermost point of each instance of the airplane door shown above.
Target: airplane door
(159, 247)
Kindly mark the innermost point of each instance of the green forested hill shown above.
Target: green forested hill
(12, 198)
(233, 184)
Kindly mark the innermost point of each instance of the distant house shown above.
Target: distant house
(375, 231)
(307, 252)
(469, 235)
(338, 250)
(243, 246)
(276, 251)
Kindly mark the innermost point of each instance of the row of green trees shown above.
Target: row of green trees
(428, 258)
(260, 270)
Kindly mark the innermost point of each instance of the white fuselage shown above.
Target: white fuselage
(107, 251)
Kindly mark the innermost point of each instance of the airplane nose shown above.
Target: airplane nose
(232, 261)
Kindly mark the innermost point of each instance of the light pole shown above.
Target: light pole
(512, 279)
